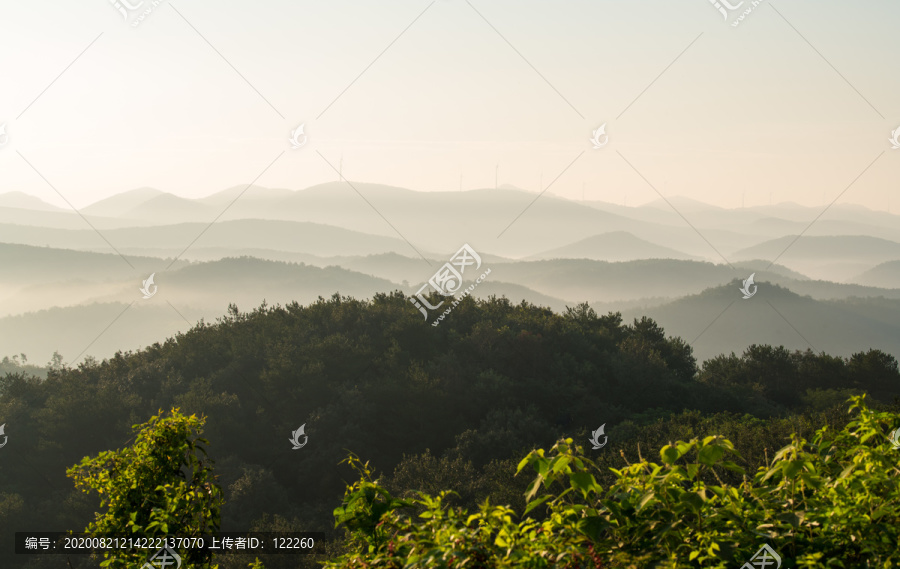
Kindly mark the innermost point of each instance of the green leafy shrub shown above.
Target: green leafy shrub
(832, 501)
(162, 485)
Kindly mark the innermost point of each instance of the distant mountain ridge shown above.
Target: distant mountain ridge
(21, 200)
(359, 239)
(303, 237)
(719, 321)
(836, 258)
(613, 246)
(884, 275)
(118, 204)
(45, 285)
(830, 246)
(506, 221)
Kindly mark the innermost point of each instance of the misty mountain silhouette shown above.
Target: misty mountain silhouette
(441, 221)
(246, 194)
(282, 245)
(301, 237)
(885, 275)
(95, 282)
(168, 208)
(719, 321)
(831, 257)
(21, 200)
(824, 248)
(613, 246)
(119, 204)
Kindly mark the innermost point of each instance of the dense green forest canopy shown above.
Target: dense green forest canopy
(432, 408)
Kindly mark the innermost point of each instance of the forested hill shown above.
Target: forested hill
(494, 379)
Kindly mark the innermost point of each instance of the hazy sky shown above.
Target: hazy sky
(752, 112)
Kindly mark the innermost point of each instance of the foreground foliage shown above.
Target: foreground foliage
(160, 486)
(832, 501)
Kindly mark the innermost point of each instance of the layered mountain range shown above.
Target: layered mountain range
(70, 281)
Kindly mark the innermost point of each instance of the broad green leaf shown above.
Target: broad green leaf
(669, 454)
(693, 500)
(584, 481)
(711, 454)
(791, 468)
(535, 503)
(645, 499)
(593, 526)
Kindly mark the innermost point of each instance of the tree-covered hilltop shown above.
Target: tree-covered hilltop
(452, 407)
(19, 364)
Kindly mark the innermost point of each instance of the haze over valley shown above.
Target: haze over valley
(71, 280)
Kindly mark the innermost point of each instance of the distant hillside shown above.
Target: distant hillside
(517, 293)
(300, 237)
(721, 321)
(119, 204)
(61, 219)
(605, 281)
(99, 329)
(18, 364)
(781, 216)
(613, 246)
(247, 282)
(40, 277)
(506, 221)
(435, 221)
(202, 290)
(391, 266)
(835, 258)
(760, 265)
(824, 249)
(601, 281)
(22, 200)
(34, 278)
(885, 275)
(168, 208)
(764, 221)
(826, 290)
(247, 195)
(198, 290)
(27, 264)
(195, 253)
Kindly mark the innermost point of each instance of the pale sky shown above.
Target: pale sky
(794, 103)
